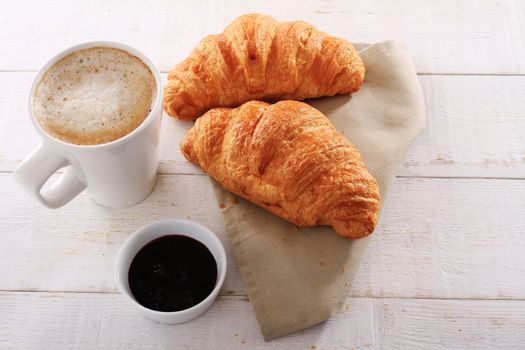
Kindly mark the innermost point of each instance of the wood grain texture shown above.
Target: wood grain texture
(475, 128)
(437, 238)
(475, 36)
(107, 321)
(448, 239)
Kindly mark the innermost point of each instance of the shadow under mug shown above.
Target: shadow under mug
(116, 174)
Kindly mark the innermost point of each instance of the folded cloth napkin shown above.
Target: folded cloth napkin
(295, 277)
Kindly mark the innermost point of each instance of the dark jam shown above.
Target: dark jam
(172, 273)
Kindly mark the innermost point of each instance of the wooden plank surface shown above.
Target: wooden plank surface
(475, 36)
(107, 321)
(475, 128)
(446, 239)
(445, 268)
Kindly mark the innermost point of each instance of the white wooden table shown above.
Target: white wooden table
(447, 270)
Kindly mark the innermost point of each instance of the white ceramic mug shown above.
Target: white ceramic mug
(158, 229)
(116, 174)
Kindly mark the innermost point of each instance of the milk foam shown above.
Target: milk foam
(94, 96)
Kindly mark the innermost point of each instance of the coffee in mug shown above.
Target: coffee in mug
(97, 107)
(94, 96)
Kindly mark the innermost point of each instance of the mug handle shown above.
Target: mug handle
(36, 170)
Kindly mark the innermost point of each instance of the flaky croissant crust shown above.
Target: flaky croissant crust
(289, 159)
(259, 58)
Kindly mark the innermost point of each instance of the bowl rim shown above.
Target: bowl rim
(126, 246)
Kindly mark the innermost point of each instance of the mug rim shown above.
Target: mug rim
(88, 45)
(222, 263)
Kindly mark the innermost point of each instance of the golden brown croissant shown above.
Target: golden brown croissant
(259, 58)
(289, 159)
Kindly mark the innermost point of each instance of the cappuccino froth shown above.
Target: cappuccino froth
(94, 96)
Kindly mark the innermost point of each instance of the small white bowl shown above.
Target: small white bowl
(158, 229)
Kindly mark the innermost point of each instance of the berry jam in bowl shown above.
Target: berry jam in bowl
(171, 270)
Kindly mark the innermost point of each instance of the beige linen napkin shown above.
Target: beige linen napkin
(299, 277)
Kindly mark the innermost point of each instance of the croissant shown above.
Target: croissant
(289, 159)
(259, 58)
